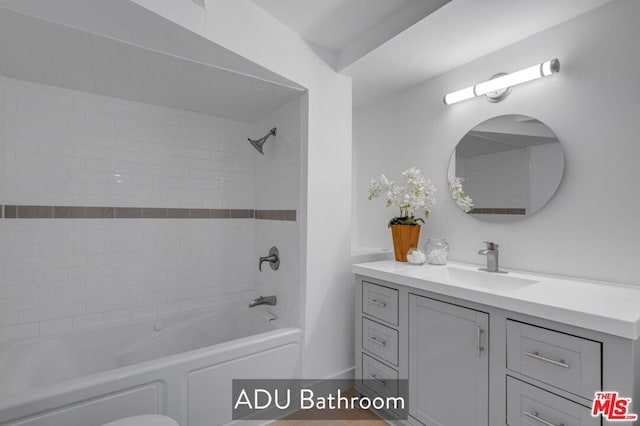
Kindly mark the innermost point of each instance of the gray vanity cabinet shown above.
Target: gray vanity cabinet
(471, 364)
(448, 363)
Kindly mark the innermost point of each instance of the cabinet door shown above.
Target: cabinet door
(448, 364)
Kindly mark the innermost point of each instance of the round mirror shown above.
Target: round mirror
(506, 168)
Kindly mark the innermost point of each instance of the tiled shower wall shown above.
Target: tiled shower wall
(70, 148)
(278, 187)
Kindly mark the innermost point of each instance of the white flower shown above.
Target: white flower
(457, 193)
(415, 194)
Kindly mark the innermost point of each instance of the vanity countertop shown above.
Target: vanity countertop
(605, 307)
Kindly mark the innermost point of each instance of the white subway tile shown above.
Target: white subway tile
(87, 321)
(87, 152)
(33, 315)
(101, 306)
(117, 316)
(144, 312)
(19, 331)
(68, 310)
(8, 318)
(56, 326)
(66, 147)
(56, 299)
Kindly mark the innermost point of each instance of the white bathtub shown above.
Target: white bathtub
(181, 366)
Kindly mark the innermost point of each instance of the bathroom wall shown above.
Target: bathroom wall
(590, 228)
(4, 316)
(327, 283)
(69, 148)
(2, 116)
(277, 193)
(327, 293)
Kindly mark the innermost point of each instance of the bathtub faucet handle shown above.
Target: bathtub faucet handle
(273, 259)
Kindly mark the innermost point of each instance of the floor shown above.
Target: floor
(342, 417)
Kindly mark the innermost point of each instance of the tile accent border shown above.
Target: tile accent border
(276, 215)
(82, 212)
(510, 211)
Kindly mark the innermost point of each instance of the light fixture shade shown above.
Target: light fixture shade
(505, 81)
(460, 95)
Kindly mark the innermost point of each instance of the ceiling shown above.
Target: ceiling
(384, 45)
(331, 24)
(127, 20)
(343, 30)
(36, 50)
(388, 45)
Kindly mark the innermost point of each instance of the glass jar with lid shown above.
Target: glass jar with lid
(437, 251)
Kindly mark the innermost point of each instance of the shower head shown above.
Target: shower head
(257, 143)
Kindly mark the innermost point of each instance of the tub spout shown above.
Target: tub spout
(263, 300)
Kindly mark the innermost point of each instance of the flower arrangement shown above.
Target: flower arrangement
(414, 194)
(457, 193)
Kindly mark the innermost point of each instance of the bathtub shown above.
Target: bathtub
(181, 366)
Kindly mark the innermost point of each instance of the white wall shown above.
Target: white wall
(590, 228)
(243, 28)
(4, 318)
(248, 31)
(2, 118)
(70, 148)
(277, 187)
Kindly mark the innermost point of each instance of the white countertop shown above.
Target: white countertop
(605, 307)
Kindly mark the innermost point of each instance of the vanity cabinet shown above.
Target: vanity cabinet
(448, 363)
(378, 340)
(476, 364)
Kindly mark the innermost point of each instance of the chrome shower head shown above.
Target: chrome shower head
(258, 143)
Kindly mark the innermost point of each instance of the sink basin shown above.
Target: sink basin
(489, 280)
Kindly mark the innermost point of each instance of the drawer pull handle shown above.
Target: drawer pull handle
(377, 380)
(536, 355)
(375, 302)
(377, 342)
(537, 417)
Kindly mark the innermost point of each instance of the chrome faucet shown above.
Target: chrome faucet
(492, 257)
(263, 300)
(273, 259)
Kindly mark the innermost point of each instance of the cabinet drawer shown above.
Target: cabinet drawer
(567, 362)
(529, 405)
(380, 340)
(380, 302)
(379, 378)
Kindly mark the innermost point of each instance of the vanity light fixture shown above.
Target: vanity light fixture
(499, 86)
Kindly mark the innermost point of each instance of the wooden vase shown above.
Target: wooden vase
(405, 237)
